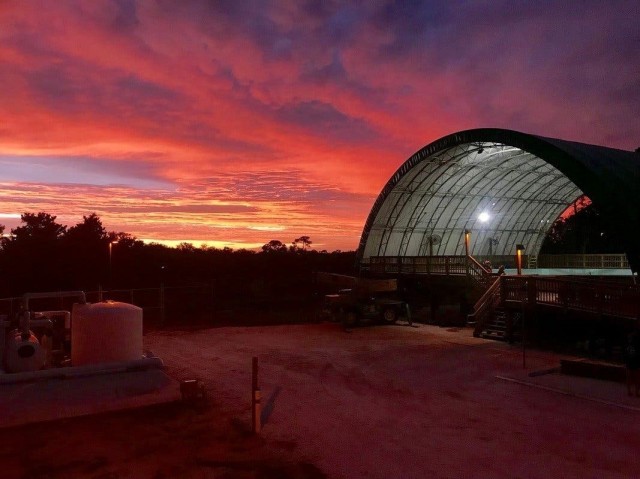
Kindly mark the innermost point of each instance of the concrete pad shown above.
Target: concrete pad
(52, 399)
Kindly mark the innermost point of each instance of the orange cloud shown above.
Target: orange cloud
(236, 121)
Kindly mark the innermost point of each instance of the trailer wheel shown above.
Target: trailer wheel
(389, 315)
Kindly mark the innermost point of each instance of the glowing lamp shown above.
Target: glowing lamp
(467, 238)
(483, 217)
(519, 250)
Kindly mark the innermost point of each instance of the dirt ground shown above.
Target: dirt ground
(161, 442)
(378, 402)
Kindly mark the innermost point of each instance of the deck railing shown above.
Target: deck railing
(441, 265)
(568, 261)
(583, 261)
(599, 297)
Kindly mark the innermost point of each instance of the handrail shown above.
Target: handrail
(448, 265)
(595, 297)
(476, 265)
(485, 305)
(545, 261)
(598, 297)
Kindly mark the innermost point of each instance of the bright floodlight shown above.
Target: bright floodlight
(483, 217)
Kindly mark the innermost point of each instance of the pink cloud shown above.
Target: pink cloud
(300, 110)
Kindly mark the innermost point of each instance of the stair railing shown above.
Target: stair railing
(485, 306)
(478, 272)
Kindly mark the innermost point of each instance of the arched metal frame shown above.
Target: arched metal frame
(522, 182)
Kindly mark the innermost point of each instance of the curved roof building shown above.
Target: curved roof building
(507, 188)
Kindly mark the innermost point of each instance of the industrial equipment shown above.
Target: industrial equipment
(91, 338)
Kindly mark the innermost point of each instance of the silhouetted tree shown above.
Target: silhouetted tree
(85, 247)
(585, 231)
(90, 229)
(274, 246)
(32, 252)
(186, 247)
(38, 227)
(304, 240)
(44, 255)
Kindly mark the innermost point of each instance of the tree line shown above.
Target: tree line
(585, 231)
(44, 255)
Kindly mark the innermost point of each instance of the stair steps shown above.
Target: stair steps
(496, 328)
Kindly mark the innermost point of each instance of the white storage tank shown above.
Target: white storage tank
(105, 332)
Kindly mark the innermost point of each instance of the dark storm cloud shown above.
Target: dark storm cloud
(317, 116)
(126, 17)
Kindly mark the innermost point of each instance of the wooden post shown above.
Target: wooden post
(532, 293)
(162, 304)
(257, 410)
(212, 300)
(524, 339)
(255, 398)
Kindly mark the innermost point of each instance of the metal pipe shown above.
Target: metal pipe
(80, 371)
(26, 315)
(53, 294)
(49, 314)
(41, 323)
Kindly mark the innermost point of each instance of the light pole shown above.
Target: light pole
(162, 268)
(467, 238)
(111, 243)
(519, 250)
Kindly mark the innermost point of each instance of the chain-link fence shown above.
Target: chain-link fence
(202, 304)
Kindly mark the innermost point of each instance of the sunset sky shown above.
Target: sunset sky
(232, 123)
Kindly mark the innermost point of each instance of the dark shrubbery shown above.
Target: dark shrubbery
(42, 255)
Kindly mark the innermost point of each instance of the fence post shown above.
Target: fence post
(213, 299)
(532, 291)
(255, 398)
(161, 304)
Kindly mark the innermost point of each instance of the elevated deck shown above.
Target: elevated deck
(590, 286)
(547, 265)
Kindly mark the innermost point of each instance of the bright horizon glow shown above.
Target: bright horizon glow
(208, 244)
(234, 123)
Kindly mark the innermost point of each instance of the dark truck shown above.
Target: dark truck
(370, 301)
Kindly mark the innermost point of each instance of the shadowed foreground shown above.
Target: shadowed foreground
(379, 402)
(164, 441)
(396, 401)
